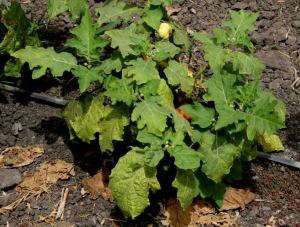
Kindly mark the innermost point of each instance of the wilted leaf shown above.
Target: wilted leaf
(200, 212)
(98, 185)
(49, 173)
(171, 10)
(19, 156)
(237, 198)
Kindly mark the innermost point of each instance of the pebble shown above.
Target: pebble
(240, 5)
(281, 34)
(9, 177)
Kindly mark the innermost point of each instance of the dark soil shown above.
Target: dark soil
(277, 41)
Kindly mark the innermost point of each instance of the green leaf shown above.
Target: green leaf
(246, 148)
(185, 157)
(130, 181)
(185, 182)
(126, 40)
(160, 2)
(77, 8)
(221, 88)
(262, 117)
(85, 41)
(56, 7)
(112, 10)
(247, 64)
(13, 67)
(217, 155)
(122, 92)
(239, 24)
(181, 37)
(165, 92)
(149, 113)
(149, 89)
(111, 127)
(153, 155)
(20, 30)
(215, 54)
(152, 16)
(236, 172)
(142, 71)
(175, 139)
(145, 137)
(72, 110)
(115, 62)
(40, 59)
(180, 123)
(164, 50)
(177, 74)
(201, 115)
(86, 76)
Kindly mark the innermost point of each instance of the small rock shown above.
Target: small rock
(240, 5)
(9, 177)
(267, 15)
(11, 140)
(282, 169)
(274, 85)
(281, 34)
(193, 11)
(296, 23)
(291, 40)
(3, 139)
(16, 128)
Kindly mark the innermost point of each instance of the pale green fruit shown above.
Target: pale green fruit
(164, 30)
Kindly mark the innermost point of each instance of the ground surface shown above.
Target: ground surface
(277, 187)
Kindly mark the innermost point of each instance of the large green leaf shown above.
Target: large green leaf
(112, 125)
(165, 92)
(41, 59)
(185, 157)
(149, 113)
(181, 37)
(56, 7)
(20, 30)
(164, 50)
(217, 156)
(185, 182)
(142, 71)
(221, 88)
(115, 62)
(86, 76)
(127, 40)
(85, 41)
(130, 182)
(76, 8)
(177, 74)
(113, 10)
(152, 16)
(247, 64)
(201, 115)
(122, 92)
(215, 54)
(239, 24)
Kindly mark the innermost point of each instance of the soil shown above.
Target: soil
(277, 42)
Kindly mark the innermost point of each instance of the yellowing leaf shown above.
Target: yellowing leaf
(269, 143)
(130, 182)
